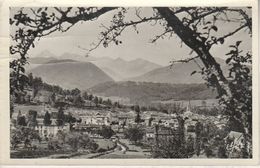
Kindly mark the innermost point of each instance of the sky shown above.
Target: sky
(134, 45)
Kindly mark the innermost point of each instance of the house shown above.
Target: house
(50, 130)
(91, 130)
(123, 119)
(172, 122)
(149, 134)
(96, 119)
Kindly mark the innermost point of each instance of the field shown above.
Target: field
(25, 108)
(105, 144)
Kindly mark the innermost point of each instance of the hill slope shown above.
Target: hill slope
(146, 92)
(178, 73)
(82, 75)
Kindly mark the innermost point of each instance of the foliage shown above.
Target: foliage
(170, 145)
(32, 118)
(138, 117)
(21, 121)
(134, 133)
(60, 117)
(78, 101)
(23, 135)
(106, 132)
(198, 131)
(239, 106)
(96, 100)
(190, 146)
(47, 119)
(77, 141)
(147, 92)
(70, 119)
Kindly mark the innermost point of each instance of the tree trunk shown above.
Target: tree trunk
(188, 37)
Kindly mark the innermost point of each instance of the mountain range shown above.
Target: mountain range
(119, 69)
(75, 71)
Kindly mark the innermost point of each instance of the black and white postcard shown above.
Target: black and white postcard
(97, 84)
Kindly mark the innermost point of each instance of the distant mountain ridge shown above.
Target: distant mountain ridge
(41, 60)
(82, 75)
(119, 69)
(126, 69)
(138, 70)
(178, 73)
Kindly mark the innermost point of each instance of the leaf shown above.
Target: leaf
(203, 39)
(22, 69)
(39, 10)
(214, 28)
(238, 43)
(247, 70)
(221, 40)
(11, 21)
(205, 27)
(208, 22)
(228, 60)
(231, 52)
(193, 73)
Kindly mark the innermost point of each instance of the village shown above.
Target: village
(113, 131)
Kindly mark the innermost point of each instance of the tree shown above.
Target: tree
(195, 26)
(90, 97)
(78, 101)
(11, 106)
(198, 131)
(53, 98)
(21, 121)
(150, 121)
(70, 119)
(32, 118)
(23, 135)
(47, 119)
(100, 100)
(134, 134)
(30, 79)
(106, 132)
(137, 108)
(96, 100)
(109, 103)
(60, 117)
(37, 85)
(75, 92)
(138, 117)
(190, 146)
(85, 95)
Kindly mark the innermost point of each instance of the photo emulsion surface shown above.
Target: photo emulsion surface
(130, 82)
